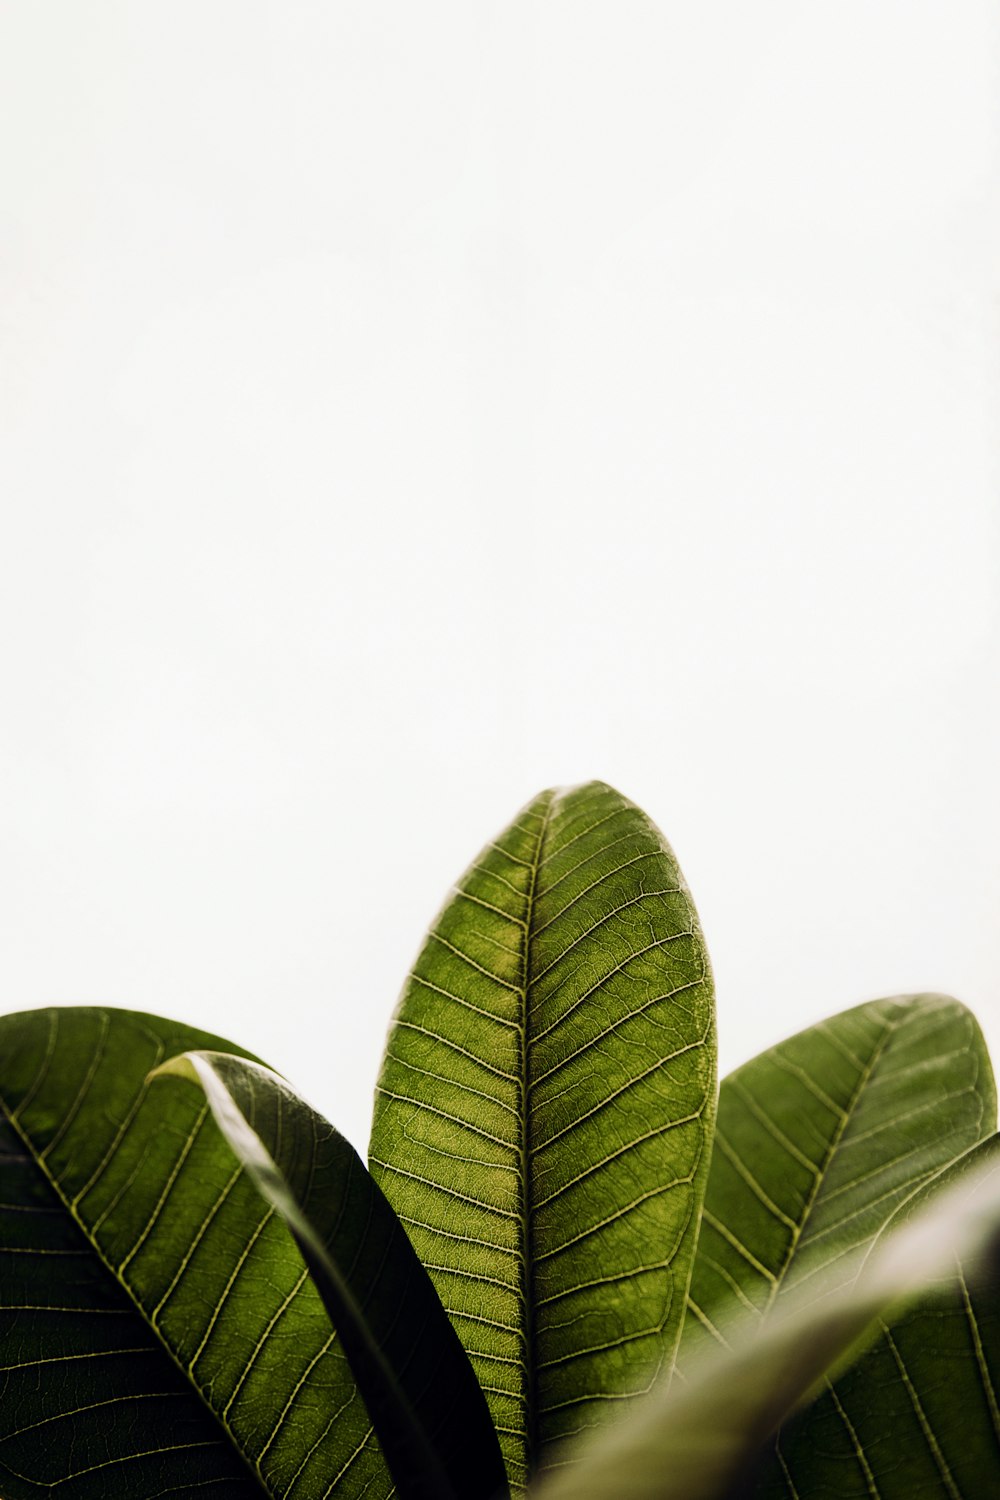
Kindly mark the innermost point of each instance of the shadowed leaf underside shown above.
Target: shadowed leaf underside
(428, 1411)
(159, 1332)
(916, 1418)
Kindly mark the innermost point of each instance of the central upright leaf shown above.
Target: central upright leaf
(544, 1112)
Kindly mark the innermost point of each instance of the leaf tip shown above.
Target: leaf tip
(180, 1066)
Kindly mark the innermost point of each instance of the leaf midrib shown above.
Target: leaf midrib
(69, 1205)
(823, 1169)
(527, 1147)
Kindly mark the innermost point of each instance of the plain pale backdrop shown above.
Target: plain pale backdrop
(404, 407)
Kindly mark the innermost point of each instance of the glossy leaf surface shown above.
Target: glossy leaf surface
(820, 1139)
(699, 1439)
(429, 1414)
(544, 1111)
(159, 1332)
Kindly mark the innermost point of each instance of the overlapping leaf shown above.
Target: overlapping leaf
(159, 1332)
(429, 1413)
(544, 1111)
(698, 1440)
(820, 1138)
(916, 1418)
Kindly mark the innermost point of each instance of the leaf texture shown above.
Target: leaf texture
(544, 1110)
(916, 1418)
(820, 1139)
(796, 1194)
(90, 1407)
(159, 1332)
(429, 1413)
(699, 1439)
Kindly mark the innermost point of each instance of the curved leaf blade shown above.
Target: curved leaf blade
(144, 1211)
(700, 1439)
(918, 1414)
(818, 1141)
(429, 1414)
(544, 1109)
(90, 1402)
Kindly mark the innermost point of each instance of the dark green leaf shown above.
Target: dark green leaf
(820, 1138)
(429, 1414)
(699, 1439)
(159, 1332)
(544, 1112)
(917, 1416)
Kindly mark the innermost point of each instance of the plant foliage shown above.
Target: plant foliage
(559, 1271)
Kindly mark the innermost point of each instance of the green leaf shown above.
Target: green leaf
(916, 1416)
(820, 1138)
(429, 1414)
(159, 1332)
(698, 1440)
(544, 1110)
(796, 1191)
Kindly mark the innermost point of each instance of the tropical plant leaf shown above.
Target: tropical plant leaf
(429, 1413)
(819, 1139)
(700, 1439)
(159, 1332)
(912, 1081)
(544, 1110)
(916, 1418)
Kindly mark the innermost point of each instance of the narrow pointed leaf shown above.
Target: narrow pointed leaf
(699, 1439)
(429, 1414)
(159, 1332)
(544, 1111)
(819, 1139)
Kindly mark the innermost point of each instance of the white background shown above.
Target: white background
(404, 407)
